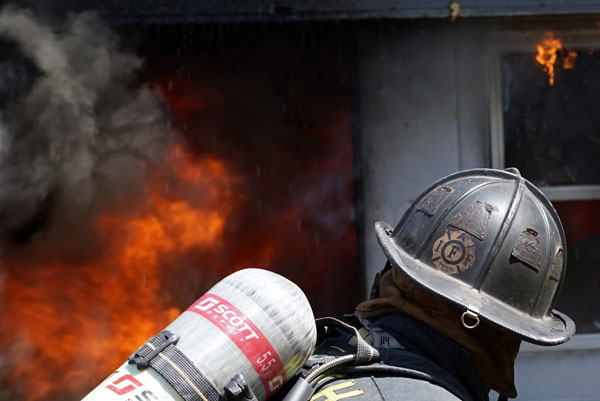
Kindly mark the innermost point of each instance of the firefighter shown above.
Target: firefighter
(473, 267)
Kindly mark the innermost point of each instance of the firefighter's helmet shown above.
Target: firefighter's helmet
(491, 243)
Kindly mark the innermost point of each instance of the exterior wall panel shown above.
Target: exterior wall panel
(424, 105)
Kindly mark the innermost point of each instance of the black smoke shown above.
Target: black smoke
(75, 129)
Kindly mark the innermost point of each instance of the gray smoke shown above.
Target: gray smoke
(81, 135)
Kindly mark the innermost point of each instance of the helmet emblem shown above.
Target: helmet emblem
(527, 249)
(453, 252)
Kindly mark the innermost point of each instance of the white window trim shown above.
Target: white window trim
(503, 42)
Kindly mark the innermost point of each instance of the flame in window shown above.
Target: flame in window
(569, 61)
(547, 54)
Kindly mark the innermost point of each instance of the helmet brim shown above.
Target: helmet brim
(556, 328)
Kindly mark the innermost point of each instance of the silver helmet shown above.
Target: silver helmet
(491, 243)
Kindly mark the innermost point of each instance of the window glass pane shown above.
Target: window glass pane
(552, 132)
(552, 135)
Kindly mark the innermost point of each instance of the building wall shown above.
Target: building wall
(424, 113)
(422, 116)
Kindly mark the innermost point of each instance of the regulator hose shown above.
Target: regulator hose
(304, 387)
(365, 353)
(319, 370)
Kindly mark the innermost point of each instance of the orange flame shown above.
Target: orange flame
(72, 324)
(547, 54)
(569, 61)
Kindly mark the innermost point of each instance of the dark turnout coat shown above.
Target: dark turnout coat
(418, 363)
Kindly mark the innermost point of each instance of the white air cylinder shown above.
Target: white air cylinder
(254, 322)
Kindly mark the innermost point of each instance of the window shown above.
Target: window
(545, 121)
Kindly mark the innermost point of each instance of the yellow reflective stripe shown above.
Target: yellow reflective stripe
(329, 393)
(331, 376)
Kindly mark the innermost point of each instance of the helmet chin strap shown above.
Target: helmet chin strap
(375, 287)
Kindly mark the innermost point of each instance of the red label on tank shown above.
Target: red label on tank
(248, 338)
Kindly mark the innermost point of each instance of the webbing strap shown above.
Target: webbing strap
(365, 353)
(177, 369)
(185, 378)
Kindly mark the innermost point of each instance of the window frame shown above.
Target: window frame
(525, 42)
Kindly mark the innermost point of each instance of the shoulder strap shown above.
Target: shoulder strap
(365, 353)
(413, 366)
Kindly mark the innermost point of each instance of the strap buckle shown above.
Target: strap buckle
(152, 347)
